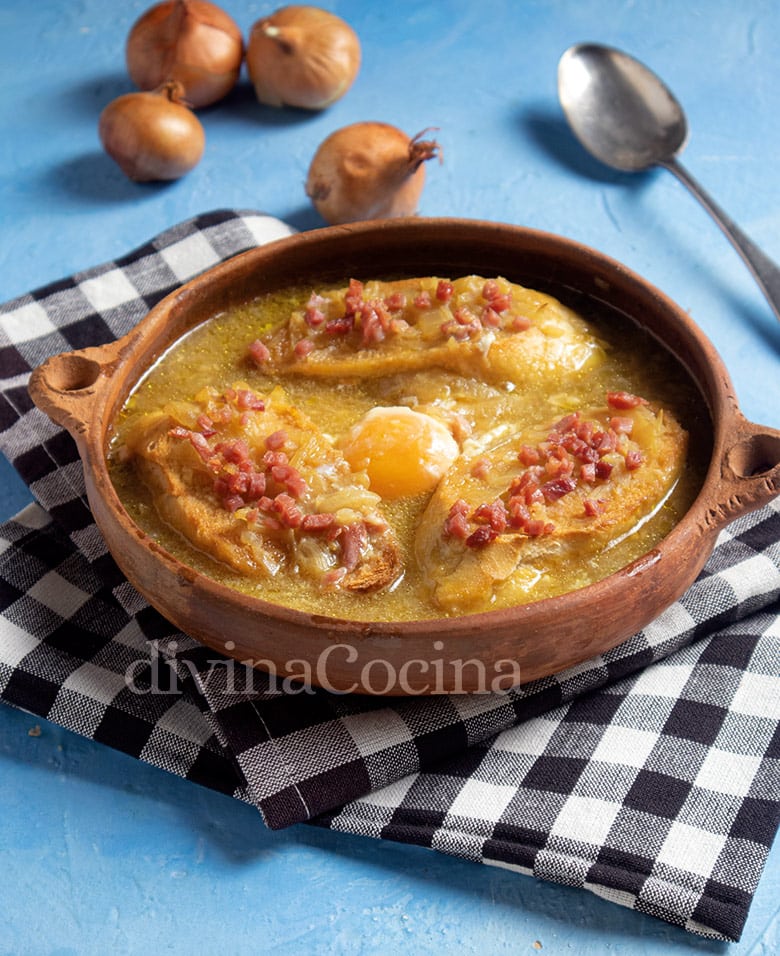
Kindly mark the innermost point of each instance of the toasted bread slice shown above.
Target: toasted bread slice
(492, 329)
(251, 482)
(544, 500)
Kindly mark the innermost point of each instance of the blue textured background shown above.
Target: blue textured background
(100, 854)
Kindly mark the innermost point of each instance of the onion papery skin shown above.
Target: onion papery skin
(368, 170)
(191, 42)
(302, 56)
(151, 136)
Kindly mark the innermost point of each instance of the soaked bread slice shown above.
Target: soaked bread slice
(492, 329)
(546, 501)
(251, 482)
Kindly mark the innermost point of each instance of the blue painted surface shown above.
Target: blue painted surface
(100, 854)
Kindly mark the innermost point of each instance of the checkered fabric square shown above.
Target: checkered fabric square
(649, 775)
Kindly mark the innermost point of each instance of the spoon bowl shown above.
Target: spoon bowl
(625, 116)
(619, 110)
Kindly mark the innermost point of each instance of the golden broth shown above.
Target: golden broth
(215, 354)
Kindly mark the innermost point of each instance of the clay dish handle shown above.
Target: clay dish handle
(749, 472)
(67, 386)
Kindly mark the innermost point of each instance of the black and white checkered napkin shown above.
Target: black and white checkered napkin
(649, 775)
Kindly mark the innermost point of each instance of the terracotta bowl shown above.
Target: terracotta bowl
(84, 390)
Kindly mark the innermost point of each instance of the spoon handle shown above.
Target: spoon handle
(766, 272)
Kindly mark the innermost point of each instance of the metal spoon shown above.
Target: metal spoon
(626, 117)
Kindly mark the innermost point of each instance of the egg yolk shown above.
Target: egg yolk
(404, 452)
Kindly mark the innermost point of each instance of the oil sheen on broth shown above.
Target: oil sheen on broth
(396, 450)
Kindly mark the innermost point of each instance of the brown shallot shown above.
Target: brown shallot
(152, 135)
(369, 170)
(302, 56)
(192, 42)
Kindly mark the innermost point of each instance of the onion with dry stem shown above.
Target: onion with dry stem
(369, 170)
(302, 56)
(152, 135)
(192, 42)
